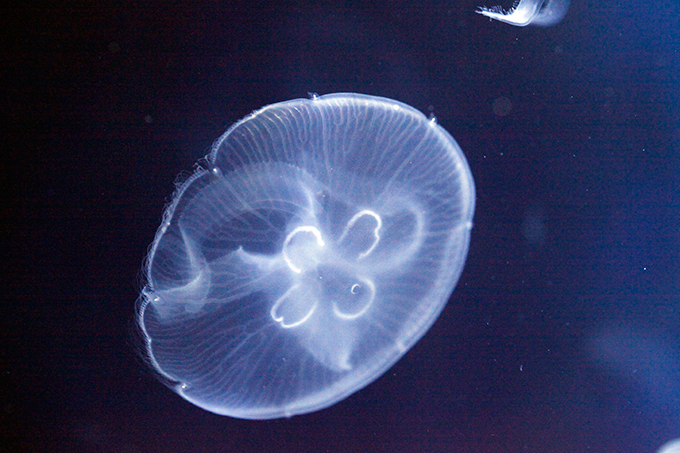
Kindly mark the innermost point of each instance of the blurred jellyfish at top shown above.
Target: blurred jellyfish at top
(543, 13)
(317, 245)
(672, 446)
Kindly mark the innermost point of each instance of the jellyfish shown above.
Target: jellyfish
(543, 13)
(672, 446)
(316, 244)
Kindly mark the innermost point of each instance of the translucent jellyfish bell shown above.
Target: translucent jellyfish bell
(543, 13)
(321, 243)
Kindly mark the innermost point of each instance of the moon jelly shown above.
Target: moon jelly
(317, 245)
(543, 13)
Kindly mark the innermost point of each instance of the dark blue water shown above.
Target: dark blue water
(563, 333)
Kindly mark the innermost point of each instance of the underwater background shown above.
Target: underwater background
(563, 334)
